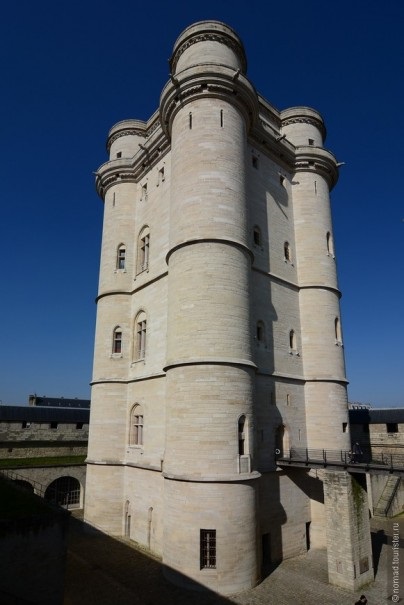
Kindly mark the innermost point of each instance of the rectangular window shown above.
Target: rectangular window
(208, 548)
(25, 424)
(117, 344)
(392, 427)
(79, 425)
(161, 177)
(141, 339)
(138, 430)
(144, 252)
(53, 425)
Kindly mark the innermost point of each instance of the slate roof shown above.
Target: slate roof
(60, 402)
(15, 413)
(376, 416)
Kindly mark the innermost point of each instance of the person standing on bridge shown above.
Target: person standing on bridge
(356, 454)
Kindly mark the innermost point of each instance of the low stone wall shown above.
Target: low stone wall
(33, 547)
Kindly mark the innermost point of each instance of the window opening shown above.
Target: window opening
(287, 252)
(190, 120)
(144, 248)
(257, 236)
(337, 328)
(260, 332)
(121, 257)
(161, 177)
(117, 341)
(136, 428)
(208, 548)
(141, 338)
(255, 162)
(330, 244)
(221, 118)
(392, 427)
(241, 435)
(292, 340)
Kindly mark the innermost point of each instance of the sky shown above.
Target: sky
(69, 71)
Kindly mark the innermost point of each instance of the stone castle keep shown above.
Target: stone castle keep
(218, 337)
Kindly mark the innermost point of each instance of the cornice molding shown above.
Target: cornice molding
(125, 133)
(215, 82)
(208, 37)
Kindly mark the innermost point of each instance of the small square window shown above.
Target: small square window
(79, 425)
(119, 154)
(311, 141)
(392, 427)
(53, 425)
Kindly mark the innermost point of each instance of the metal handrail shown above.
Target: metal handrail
(341, 458)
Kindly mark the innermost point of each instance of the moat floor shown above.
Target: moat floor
(105, 571)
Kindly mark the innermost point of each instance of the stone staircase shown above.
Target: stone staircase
(386, 499)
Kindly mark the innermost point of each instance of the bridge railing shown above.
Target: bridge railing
(57, 497)
(393, 461)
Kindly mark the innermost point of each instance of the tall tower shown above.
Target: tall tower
(321, 337)
(218, 337)
(206, 111)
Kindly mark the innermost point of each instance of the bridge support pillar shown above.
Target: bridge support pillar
(349, 547)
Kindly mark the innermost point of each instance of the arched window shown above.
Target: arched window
(241, 435)
(287, 252)
(330, 244)
(260, 332)
(136, 426)
(140, 336)
(121, 257)
(117, 341)
(292, 340)
(143, 250)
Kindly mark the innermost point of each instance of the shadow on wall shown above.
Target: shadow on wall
(102, 570)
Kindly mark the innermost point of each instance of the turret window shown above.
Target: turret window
(136, 426)
(330, 244)
(121, 257)
(143, 250)
(117, 341)
(257, 236)
(292, 342)
(260, 333)
(140, 336)
(160, 176)
(241, 435)
(144, 193)
(287, 252)
(337, 331)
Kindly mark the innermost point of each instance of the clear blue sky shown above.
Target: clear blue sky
(70, 70)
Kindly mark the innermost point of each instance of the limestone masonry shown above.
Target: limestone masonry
(218, 337)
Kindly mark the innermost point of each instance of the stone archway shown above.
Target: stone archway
(64, 491)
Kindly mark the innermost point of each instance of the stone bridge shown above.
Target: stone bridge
(63, 484)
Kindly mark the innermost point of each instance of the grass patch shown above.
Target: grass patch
(41, 461)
